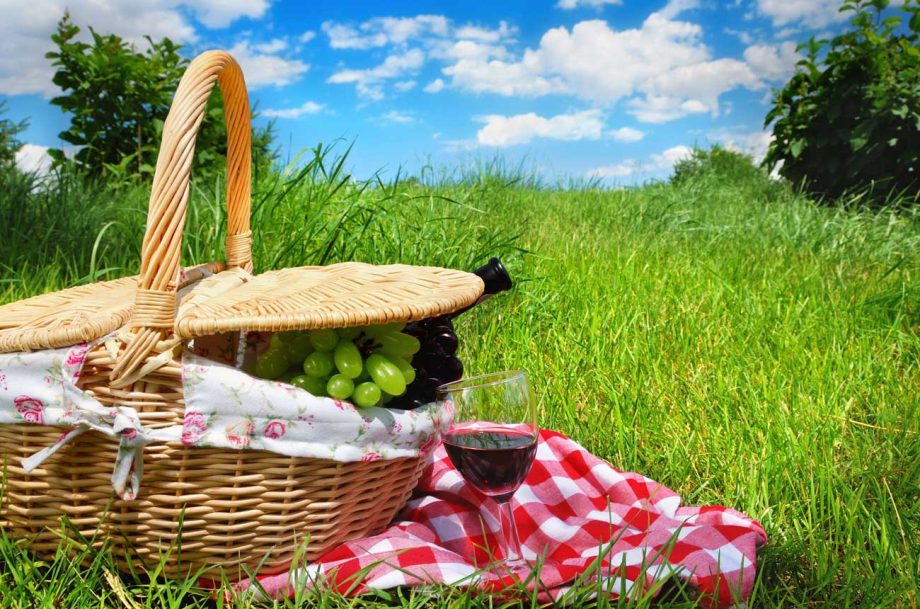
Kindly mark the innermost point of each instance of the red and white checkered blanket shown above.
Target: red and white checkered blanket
(577, 515)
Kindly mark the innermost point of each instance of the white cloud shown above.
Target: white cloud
(381, 31)
(656, 164)
(33, 158)
(272, 46)
(221, 13)
(307, 36)
(617, 170)
(431, 36)
(25, 31)
(523, 128)
(504, 33)
(309, 107)
(772, 62)
(669, 157)
(743, 36)
(663, 67)
(570, 4)
(627, 135)
(675, 7)
(262, 69)
(808, 13)
(405, 85)
(510, 79)
(661, 108)
(434, 86)
(343, 36)
(699, 85)
(751, 143)
(368, 81)
(398, 117)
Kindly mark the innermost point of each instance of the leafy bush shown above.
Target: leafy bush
(118, 98)
(849, 118)
(9, 144)
(729, 164)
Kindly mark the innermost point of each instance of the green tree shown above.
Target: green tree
(9, 142)
(849, 118)
(118, 99)
(725, 163)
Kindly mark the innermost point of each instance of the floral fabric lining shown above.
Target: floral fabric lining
(225, 408)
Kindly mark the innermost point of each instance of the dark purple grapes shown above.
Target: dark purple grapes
(435, 363)
(418, 331)
(447, 341)
(434, 353)
(451, 369)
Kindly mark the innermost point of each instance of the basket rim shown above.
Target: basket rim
(340, 295)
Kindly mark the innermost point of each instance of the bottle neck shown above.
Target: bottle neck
(496, 280)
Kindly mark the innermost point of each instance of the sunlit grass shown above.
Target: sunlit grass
(722, 336)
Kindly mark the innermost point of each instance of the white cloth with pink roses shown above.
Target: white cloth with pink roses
(224, 408)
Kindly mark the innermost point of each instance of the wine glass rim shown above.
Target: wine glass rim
(488, 379)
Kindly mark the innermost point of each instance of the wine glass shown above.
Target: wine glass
(492, 441)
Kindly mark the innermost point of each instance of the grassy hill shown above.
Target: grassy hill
(723, 336)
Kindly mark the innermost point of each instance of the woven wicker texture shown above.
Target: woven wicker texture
(230, 507)
(74, 315)
(235, 509)
(336, 296)
(67, 317)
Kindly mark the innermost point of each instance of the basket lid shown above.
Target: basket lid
(79, 314)
(67, 317)
(334, 296)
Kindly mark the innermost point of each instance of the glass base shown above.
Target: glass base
(512, 572)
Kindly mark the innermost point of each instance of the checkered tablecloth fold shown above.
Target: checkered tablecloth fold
(576, 515)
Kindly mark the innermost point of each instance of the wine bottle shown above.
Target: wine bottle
(496, 280)
(436, 361)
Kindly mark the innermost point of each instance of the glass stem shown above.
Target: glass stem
(513, 553)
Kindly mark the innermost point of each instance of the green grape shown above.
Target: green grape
(364, 376)
(340, 386)
(386, 375)
(275, 342)
(399, 344)
(348, 359)
(366, 394)
(324, 340)
(318, 364)
(349, 333)
(272, 364)
(405, 367)
(288, 376)
(387, 398)
(311, 384)
(299, 347)
(289, 336)
(385, 329)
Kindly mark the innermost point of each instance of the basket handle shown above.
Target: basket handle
(156, 299)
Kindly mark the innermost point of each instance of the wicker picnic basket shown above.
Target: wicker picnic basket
(229, 507)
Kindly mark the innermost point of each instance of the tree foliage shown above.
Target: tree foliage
(118, 98)
(849, 118)
(730, 164)
(9, 142)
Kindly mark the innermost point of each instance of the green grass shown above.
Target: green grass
(723, 336)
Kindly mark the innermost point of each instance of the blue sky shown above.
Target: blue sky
(610, 89)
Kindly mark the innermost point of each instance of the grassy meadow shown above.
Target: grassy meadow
(721, 335)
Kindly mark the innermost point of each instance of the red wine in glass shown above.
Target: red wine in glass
(492, 443)
(495, 461)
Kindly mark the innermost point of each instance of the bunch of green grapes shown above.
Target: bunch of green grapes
(368, 365)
